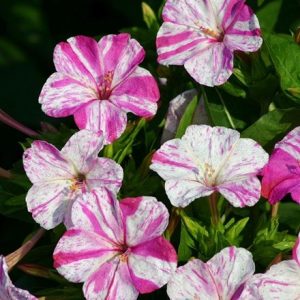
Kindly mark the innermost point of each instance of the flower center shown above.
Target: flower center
(215, 34)
(209, 173)
(125, 252)
(104, 90)
(78, 182)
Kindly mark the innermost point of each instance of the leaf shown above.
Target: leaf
(149, 17)
(233, 233)
(289, 215)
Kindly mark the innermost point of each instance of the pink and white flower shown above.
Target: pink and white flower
(202, 35)
(99, 83)
(7, 290)
(59, 177)
(222, 277)
(296, 251)
(116, 248)
(210, 159)
(281, 175)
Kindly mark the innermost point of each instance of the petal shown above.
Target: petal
(296, 250)
(61, 95)
(177, 43)
(145, 218)
(182, 192)
(105, 173)
(111, 281)
(101, 115)
(281, 282)
(99, 212)
(48, 202)
(82, 150)
(230, 268)
(191, 281)
(42, 161)
(79, 253)
(151, 264)
(138, 94)
(212, 66)
(120, 54)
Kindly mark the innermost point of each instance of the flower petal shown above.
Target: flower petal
(42, 161)
(291, 143)
(230, 268)
(145, 218)
(111, 281)
(212, 66)
(79, 253)
(82, 149)
(151, 264)
(191, 281)
(296, 250)
(102, 116)
(138, 94)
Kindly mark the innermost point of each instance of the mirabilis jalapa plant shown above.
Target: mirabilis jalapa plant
(122, 249)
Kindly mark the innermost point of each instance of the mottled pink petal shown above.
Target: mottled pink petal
(192, 281)
(144, 218)
(42, 161)
(281, 282)
(291, 143)
(102, 116)
(212, 66)
(151, 264)
(82, 150)
(105, 173)
(138, 94)
(296, 250)
(111, 281)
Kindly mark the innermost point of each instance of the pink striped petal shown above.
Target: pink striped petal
(105, 173)
(112, 281)
(42, 161)
(281, 282)
(48, 202)
(151, 264)
(213, 66)
(120, 54)
(99, 212)
(144, 218)
(231, 268)
(138, 94)
(291, 143)
(192, 281)
(296, 251)
(61, 95)
(102, 116)
(82, 150)
(79, 254)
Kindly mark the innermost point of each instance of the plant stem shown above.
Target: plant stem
(213, 208)
(5, 173)
(174, 220)
(274, 211)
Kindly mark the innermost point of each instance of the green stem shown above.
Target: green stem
(174, 220)
(274, 211)
(213, 208)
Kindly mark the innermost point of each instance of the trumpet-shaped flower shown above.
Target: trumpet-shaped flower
(7, 290)
(116, 248)
(99, 83)
(59, 177)
(209, 159)
(282, 174)
(222, 277)
(203, 34)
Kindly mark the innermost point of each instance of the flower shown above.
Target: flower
(222, 277)
(59, 177)
(7, 290)
(296, 251)
(208, 159)
(282, 174)
(99, 83)
(115, 248)
(202, 35)
(281, 281)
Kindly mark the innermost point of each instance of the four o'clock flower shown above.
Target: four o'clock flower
(7, 290)
(222, 277)
(59, 177)
(208, 159)
(99, 83)
(203, 34)
(281, 175)
(116, 248)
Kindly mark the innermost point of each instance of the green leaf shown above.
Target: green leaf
(150, 17)
(233, 233)
(289, 215)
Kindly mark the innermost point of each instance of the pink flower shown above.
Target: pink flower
(99, 83)
(222, 277)
(59, 177)
(7, 290)
(296, 251)
(115, 248)
(282, 174)
(202, 35)
(208, 159)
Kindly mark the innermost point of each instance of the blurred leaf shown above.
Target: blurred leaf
(149, 17)
(289, 215)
